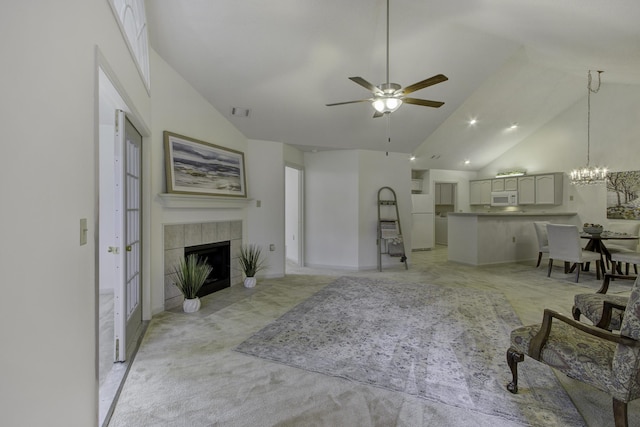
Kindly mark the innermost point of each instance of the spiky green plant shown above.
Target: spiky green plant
(190, 274)
(251, 260)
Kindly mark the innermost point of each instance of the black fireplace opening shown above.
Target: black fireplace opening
(218, 256)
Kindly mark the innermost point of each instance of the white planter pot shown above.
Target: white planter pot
(191, 305)
(250, 282)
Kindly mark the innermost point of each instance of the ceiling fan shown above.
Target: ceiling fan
(388, 97)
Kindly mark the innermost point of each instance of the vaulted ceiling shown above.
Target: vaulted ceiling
(507, 61)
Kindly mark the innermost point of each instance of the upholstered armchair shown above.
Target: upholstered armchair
(607, 361)
(603, 310)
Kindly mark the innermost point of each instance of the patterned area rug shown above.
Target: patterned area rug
(439, 343)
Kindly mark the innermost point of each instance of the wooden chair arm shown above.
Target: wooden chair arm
(607, 278)
(539, 341)
(607, 313)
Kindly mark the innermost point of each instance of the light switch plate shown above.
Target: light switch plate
(83, 231)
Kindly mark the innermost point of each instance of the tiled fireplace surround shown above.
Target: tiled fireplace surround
(179, 236)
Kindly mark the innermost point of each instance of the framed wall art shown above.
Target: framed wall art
(623, 195)
(198, 167)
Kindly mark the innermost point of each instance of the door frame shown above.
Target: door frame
(117, 97)
(300, 208)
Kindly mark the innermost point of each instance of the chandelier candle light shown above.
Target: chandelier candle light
(589, 174)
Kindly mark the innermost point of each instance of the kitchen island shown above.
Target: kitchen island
(482, 238)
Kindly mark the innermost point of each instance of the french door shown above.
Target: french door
(128, 289)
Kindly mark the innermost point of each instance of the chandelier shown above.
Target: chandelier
(588, 175)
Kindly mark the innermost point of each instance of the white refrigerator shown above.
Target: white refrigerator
(422, 227)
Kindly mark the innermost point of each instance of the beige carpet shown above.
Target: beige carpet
(439, 343)
(187, 374)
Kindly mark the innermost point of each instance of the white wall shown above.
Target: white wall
(331, 209)
(561, 146)
(341, 215)
(265, 172)
(377, 170)
(49, 111)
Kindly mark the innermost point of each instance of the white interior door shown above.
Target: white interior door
(293, 215)
(128, 290)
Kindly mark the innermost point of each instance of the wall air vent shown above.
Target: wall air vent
(240, 112)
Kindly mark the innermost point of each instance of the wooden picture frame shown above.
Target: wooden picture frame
(198, 167)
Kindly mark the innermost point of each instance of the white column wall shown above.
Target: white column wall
(265, 172)
(377, 170)
(331, 210)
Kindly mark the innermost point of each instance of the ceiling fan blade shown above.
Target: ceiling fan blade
(438, 78)
(348, 102)
(365, 84)
(377, 114)
(423, 102)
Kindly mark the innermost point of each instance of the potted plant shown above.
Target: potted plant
(190, 274)
(251, 261)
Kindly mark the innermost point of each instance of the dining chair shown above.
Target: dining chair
(607, 361)
(628, 258)
(543, 240)
(630, 227)
(564, 245)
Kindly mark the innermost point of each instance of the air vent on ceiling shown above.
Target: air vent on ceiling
(240, 112)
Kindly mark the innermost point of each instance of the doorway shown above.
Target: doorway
(444, 201)
(118, 245)
(294, 252)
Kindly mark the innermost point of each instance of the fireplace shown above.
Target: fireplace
(218, 256)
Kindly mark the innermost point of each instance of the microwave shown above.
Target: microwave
(504, 198)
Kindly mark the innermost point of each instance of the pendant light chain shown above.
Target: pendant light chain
(589, 91)
(589, 175)
(388, 42)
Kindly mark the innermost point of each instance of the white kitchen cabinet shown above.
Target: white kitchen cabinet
(444, 194)
(480, 192)
(511, 184)
(497, 184)
(549, 189)
(527, 190)
(441, 231)
(416, 185)
(545, 189)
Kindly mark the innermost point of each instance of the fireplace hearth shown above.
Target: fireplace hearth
(218, 256)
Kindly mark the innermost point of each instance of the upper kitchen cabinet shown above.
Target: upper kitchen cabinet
(511, 184)
(504, 184)
(444, 194)
(527, 190)
(549, 189)
(480, 192)
(543, 189)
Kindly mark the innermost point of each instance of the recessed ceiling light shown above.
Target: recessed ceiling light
(513, 126)
(412, 157)
(473, 121)
(466, 162)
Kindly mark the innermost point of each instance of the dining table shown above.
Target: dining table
(596, 242)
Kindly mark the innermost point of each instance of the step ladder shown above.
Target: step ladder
(390, 240)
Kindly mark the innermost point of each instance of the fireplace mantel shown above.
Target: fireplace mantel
(191, 201)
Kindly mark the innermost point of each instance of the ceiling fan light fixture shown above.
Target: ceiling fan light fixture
(384, 104)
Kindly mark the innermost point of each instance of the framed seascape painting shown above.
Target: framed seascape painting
(197, 167)
(623, 195)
